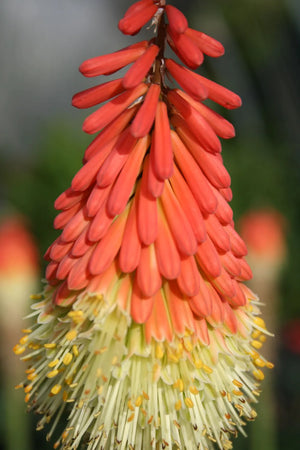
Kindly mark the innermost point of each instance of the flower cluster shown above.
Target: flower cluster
(145, 328)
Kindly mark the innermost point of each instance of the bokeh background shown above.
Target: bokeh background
(42, 43)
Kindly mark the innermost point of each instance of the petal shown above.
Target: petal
(179, 225)
(221, 126)
(207, 44)
(75, 226)
(155, 185)
(131, 245)
(219, 94)
(188, 83)
(145, 116)
(98, 94)
(110, 63)
(167, 255)
(147, 274)
(158, 325)
(86, 176)
(106, 250)
(116, 159)
(59, 249)
(64, 217)
(188, 204)
(180, 311)
(82, 244)
(177, 21)
(189, 278)
(208, 258)
(201, 303)
(210, 163)
(100, 224)
(111, 131)
(141, 306)
(68, 199)
(97, 198)
(140, 68)
(193, 176)
(238, 246)
(134, 20)
(161, 150)
(110, 110)
(79, 275)
(217, 233)
(195, 122)
(126, 180)
(185, 48)
(147, 210)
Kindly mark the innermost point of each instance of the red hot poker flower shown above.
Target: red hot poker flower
(145, 326)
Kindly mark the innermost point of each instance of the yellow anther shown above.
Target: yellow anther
(237, 383)
(130, 418)
(67, 358)
(36, 296)
(139, 401)
(104, 378)
(178, 405)
(52, 374)
(229, 397)
(253, 414)
(18, 349)
(188, 344)
(23, 340)
(27, 398)
(32, 376)
(198, 363)
(30, 370)
(255, 334)
(53, 363)
(258, 374)
(114, 361)
(259, 362)
(236, 392)
(193, 390)
(207, 369)
(263, 338)
(144, 412)
(19, 386)
(75, 350)
(50, 345)
(260, 322)
(98, 373)
(270, 365)
(150, 420)
(26, 331)
(28, 388)
(159, 351)
(33, 346)
(75, 314)
(73, 385)
(145, 395)
(65, 396)
(56, 445)
(130, 406)
(56, 389)
(100, 390)
(179, 385)
(256, 344)
(72, 334)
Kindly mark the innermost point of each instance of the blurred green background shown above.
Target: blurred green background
(41, 142)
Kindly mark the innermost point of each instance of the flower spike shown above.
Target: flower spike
(145, 332)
